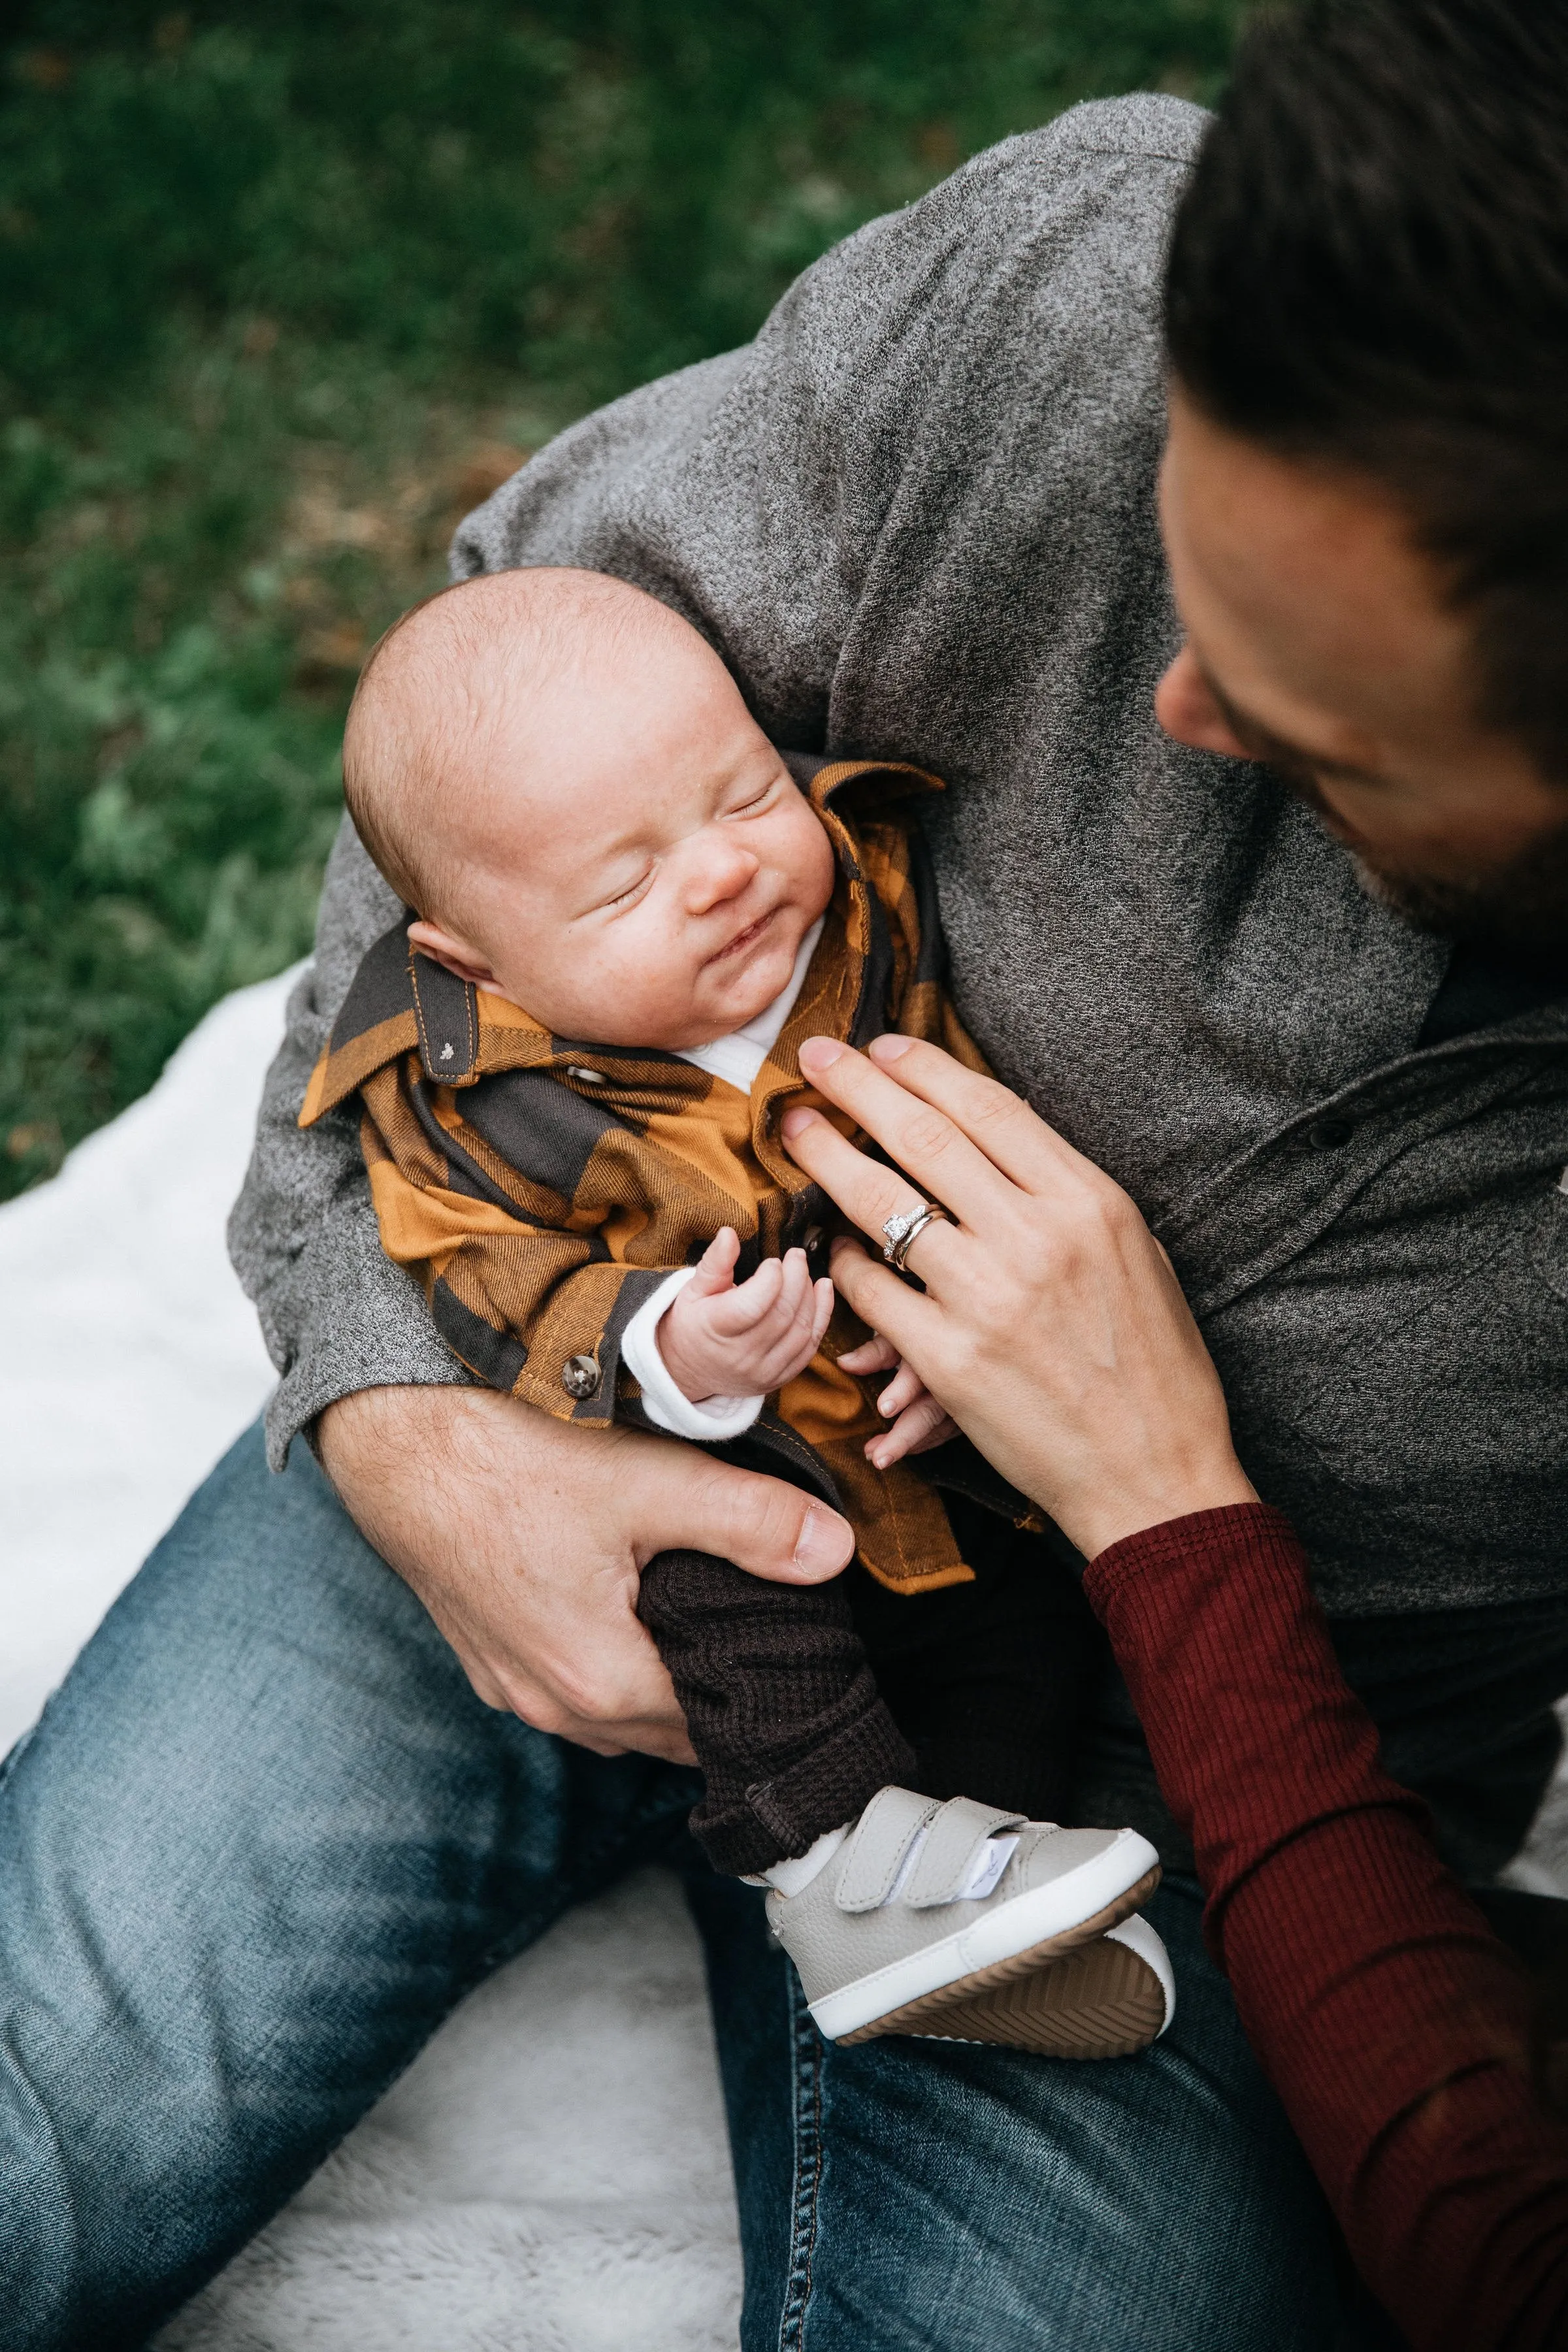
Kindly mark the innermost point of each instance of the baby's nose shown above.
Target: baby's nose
(723, 873)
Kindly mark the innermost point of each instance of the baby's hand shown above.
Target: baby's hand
(919, 1421)
(720, 1339)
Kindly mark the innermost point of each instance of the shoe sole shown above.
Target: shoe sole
(910, 2016)
(1106, 2000)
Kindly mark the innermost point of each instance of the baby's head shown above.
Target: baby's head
(560, 776)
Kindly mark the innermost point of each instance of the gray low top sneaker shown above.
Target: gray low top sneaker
(925, 1903)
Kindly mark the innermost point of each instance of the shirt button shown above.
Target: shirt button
(584, 1077)
(1329, 1134)
(580, 1376)
(814, 1238)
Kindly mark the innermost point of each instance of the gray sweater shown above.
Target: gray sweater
(916, 518)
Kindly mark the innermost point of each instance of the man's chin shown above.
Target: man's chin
(1518, 914)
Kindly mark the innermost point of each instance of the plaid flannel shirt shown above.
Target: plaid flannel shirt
(541, 1188)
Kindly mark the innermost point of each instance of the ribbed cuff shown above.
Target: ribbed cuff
(830, 1785)
(1207, 1538)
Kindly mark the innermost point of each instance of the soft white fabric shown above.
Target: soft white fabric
(552, 2174)
(130, 1357)
(738, 1057)
(667, 1406)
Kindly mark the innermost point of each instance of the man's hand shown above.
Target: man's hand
(720, 1339)
(525, 1539)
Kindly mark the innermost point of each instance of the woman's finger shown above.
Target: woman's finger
(933, 1151)
(1013, 1138)
(865, 1189)
(892, 1307)
(937, 1430)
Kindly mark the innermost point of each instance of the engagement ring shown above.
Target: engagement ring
(900, 1232)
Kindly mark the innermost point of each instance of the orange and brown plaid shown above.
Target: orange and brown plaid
(542, 1187)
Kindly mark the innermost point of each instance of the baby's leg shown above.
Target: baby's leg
(787, 1722)
(988, 1681)
(901, 1916)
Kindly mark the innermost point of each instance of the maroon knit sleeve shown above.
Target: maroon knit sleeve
(1391, 2021)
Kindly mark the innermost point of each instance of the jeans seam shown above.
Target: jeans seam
(807, 2061)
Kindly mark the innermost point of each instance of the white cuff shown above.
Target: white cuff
(666, 1406)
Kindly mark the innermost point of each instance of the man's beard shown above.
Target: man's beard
(1516, 911)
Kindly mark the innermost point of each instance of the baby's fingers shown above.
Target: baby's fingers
(795, 1294)
(901, 1390)
(716, 1266)
(798, 1316)
(918, 1427)
(784, 1345)
(742, 1309)
(873, 1355)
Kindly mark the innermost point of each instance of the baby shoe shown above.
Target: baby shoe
(921, 1904)
(1109, 1998)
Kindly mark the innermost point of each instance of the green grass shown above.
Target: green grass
(285, 290)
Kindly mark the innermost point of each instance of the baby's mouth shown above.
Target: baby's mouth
(745, 939)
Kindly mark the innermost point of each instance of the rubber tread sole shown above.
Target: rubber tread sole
(920, 2018)
(1102, 2002)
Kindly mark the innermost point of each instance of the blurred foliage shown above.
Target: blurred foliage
(284, 290)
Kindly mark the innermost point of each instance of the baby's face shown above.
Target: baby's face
(647, 867)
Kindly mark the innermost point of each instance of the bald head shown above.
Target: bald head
(439, 738)
(564, 780)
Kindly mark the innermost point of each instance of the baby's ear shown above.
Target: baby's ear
(454, 954)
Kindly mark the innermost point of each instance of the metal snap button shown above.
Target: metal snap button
(580, 1376)
(584, 1077)
(1328, 1134)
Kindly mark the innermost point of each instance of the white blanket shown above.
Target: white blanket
(551, 2175)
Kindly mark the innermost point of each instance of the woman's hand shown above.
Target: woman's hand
(1052, 1327)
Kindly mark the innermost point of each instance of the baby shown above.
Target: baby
(626, 910)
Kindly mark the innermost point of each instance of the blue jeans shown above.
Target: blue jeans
(265, 1838)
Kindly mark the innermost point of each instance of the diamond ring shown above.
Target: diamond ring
(900, 1232)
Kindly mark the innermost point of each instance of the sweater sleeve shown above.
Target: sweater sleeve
(764, 494)
(1392, 2021)
(337, 1314)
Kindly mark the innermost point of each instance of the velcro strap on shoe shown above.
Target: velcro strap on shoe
(953, 1842)
(883, 1836)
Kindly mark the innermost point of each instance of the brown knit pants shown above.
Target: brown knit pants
(804, 1700)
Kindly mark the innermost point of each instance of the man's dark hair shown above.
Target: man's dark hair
(1370, 269)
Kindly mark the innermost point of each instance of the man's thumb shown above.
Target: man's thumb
(764, 1524)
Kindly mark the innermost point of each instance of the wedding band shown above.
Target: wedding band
(902, 1233)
